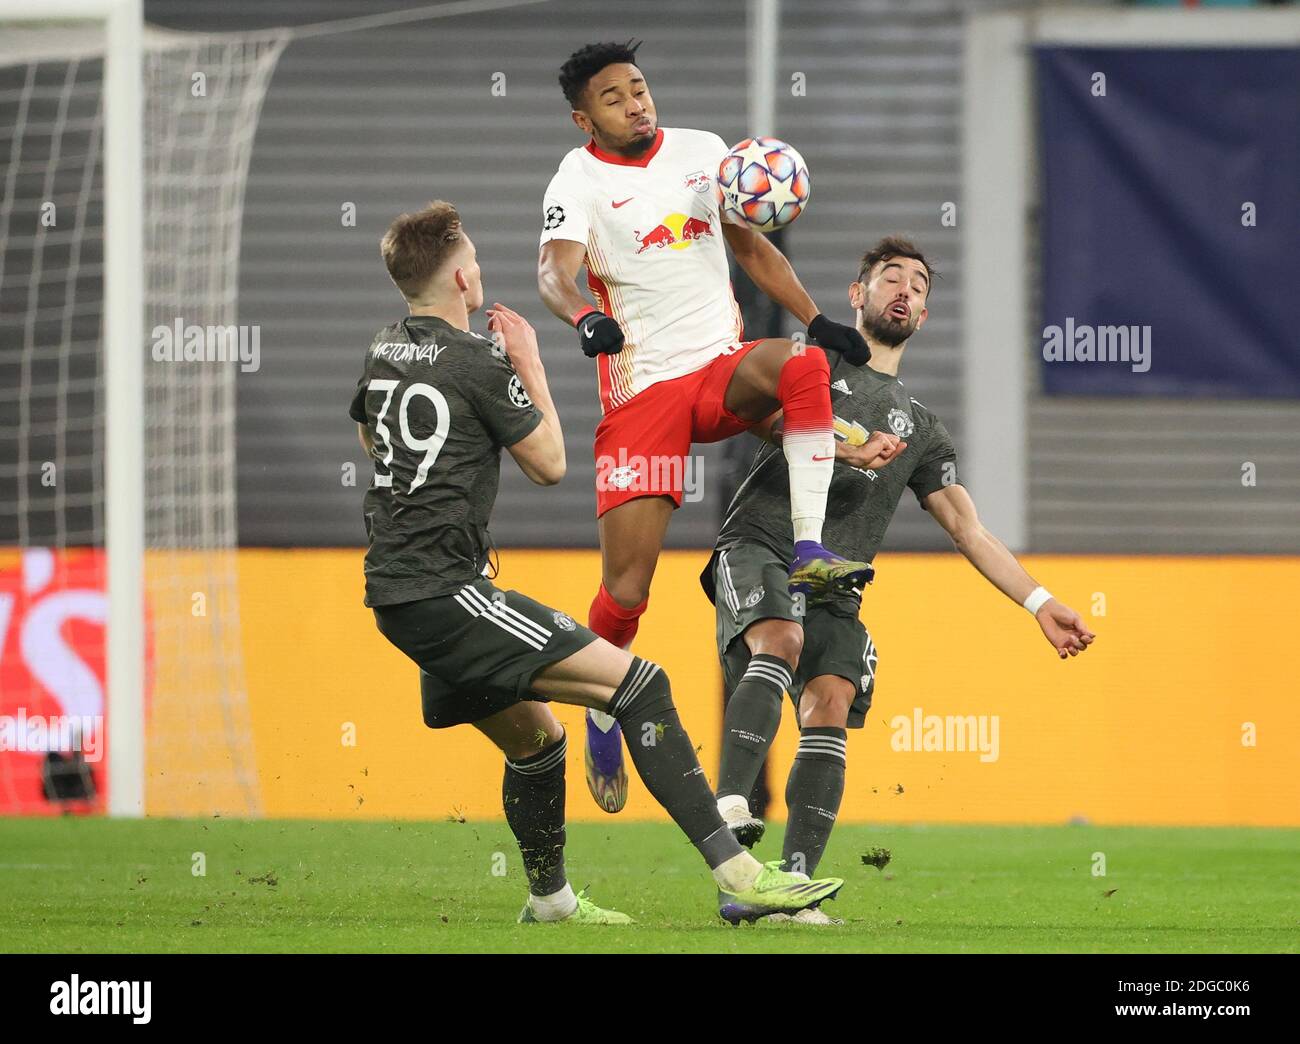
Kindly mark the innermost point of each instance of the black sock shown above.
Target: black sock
(665, 759)
(533, 796)
(812, 796)
(752, 718)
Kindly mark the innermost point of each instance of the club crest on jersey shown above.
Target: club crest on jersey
(563, 621)
(554, 217)
(517, 394)
(698, 181)
(754, 597)
(900, 423)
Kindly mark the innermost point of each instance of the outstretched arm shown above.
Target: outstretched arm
(773, 274)
(770, 270)
(953, 509)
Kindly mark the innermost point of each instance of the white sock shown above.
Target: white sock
(737, 873)
(556, 906)
(732, 801)
(810, 479)
(601, 720)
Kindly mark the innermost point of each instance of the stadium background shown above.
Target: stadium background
(1138, 501)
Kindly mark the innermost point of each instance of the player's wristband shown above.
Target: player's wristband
(582, 314)
(1037, 598)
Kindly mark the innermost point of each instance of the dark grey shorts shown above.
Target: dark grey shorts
(751, 583)
(479, 648)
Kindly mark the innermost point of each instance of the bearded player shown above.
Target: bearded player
(822, 655)
(636, 206)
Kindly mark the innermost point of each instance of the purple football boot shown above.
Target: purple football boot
(603, 756)
(817, 573)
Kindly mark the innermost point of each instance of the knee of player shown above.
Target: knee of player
(543, 739)
(630, 591)
(809, 356)
(646, 688)
(780, 638)
(826, 705)
(554, 734)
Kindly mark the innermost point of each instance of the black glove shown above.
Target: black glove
(599, 335)
(836, 337)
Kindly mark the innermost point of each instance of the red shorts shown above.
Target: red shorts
(642, 446)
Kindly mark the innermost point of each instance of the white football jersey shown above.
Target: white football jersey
(655, 257)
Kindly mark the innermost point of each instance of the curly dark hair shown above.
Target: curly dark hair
(585, 62)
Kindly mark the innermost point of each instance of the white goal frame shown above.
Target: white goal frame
(123, 367)
(999, 187)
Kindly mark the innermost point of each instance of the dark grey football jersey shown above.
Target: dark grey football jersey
(861, 502)
(439, 403)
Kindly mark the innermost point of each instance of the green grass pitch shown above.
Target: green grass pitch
(93, 885)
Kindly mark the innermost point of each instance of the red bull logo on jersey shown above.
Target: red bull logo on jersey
(677, 231)
(696, 228)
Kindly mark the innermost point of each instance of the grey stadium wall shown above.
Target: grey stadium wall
(389, 118)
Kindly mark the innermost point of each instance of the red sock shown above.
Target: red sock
(611, 621)
(805, 393)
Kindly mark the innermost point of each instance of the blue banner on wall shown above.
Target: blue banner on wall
(1170, 221)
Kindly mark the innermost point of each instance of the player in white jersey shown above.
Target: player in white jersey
(637, 206)
(654, 255)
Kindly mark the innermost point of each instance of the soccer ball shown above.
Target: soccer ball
(763, 183)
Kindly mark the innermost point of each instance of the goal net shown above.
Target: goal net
(202, 96)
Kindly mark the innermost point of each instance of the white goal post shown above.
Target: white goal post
(122, 174)
(122, 23)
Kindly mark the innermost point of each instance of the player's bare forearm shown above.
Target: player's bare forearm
(770, 270)
(367, 443)
(953, 508)
(541, 453)
(557, 272)
(533, 377)
(996, 563)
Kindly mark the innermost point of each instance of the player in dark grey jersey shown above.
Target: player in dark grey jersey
(820, 653)
(434, 406)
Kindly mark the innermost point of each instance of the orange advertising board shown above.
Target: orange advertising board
(1184, 712)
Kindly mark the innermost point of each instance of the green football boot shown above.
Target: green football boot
(775, 891)
(586, 913)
